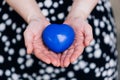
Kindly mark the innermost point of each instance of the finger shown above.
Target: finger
(62, 58)
(78, 47)
(42, 56)
(54, 58)
(59, 56)
(88, 34)
(78, 50)
(67, 58)
(28, 41)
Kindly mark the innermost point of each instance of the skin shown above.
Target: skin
(76, 18)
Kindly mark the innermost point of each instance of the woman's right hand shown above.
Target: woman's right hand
(34, 43)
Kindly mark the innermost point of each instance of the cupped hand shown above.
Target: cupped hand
(34, 43)
(83, 37)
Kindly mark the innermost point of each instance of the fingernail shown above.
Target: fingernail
(72, 60)
(66, 65)
(48, 61)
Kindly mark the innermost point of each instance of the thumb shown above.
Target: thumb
(88, 34)
(28, 37)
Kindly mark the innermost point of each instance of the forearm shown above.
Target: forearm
(27, 9)
(82, 8)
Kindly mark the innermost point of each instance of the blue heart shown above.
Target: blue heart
(58, 37)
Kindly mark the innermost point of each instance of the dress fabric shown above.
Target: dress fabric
(98, 61)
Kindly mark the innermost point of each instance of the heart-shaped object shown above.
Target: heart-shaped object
(58, 37)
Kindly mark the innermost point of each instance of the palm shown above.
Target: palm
(34, 43)
(83, 36)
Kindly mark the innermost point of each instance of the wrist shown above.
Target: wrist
(35, 18)
(82, 8)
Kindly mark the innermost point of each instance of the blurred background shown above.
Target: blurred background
(116, 9)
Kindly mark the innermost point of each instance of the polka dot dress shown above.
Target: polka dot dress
(98, 61)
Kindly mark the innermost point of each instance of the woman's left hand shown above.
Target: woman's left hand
(83, 37)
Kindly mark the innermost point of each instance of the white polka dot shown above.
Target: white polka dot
(82, 64)
(98, 74)
(7, 73)
(69, 8)
(48, 3)
(55, 4)
(13, 69)
(61, 15)
(96, 22)
(9, 58)
(57, 71)
(18, 37)
(86, 70)
(53, 18)
(102, 8)
(97, 53)
(0, 9)
(52, 11)
(10, 9)
(62, 78)
(5, 16)
(104, 73)
(22, 66)
(22, 52)
(101, 69)
(7, 43)
(112, 63)
(97, 70)
(38, 78)
(97, 31)
(53, 75)
(8, 22)
(15, 76)
(13, 41)
(1, 72)
(97, 46)
(110, 71)
(46, 77)
(1, 59)
(107, 65)
(40, 4)
(98, 8)
(20, 60)
(28, 56)
(14, 26)
(49, 69)
(11, 51)
(60, 1)
(107, 58)
(4, 38)
(92, 65)
(107, 39)
(70, 74)
(5, 49)
(109, 27)
(45, 12)
(25, 75)
(29, 62)
(18, 30)
(102, 24)
(88, 49)
(34, 75)
(92, 43)
(23, 26)
(90, 55)
(62, 69)
(0, 34)
(76, 67)
(41, 71)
